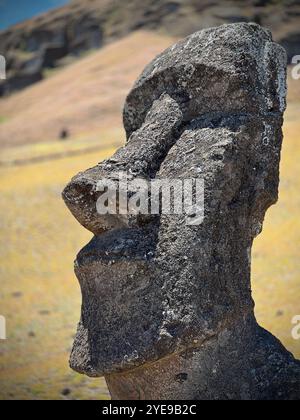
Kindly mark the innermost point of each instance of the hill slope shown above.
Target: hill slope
(40, 295)
(85, 97)
(47, 40)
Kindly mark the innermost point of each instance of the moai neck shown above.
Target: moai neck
(167, 310)
(243, 362)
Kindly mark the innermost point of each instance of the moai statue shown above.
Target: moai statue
(167, 310)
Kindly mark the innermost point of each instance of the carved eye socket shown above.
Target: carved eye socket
(182, 98)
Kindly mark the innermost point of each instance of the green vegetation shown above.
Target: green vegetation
(3, 119)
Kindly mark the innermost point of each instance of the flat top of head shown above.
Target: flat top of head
(227, 52)
(202, 47)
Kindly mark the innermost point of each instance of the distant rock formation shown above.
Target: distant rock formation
(42, 42)
(167, 309)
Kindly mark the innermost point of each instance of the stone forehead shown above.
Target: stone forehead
(229, 52)
(202, 48)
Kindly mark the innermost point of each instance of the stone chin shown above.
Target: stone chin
(159, 293)
(136, 308)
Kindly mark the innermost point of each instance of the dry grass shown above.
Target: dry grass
(86, 97)
(39, 295)
(37, 152)
(276, 262)
(39, 238)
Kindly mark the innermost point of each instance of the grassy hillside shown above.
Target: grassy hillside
(276, 263)
(86, 97)
(50, 39)
(39, 293)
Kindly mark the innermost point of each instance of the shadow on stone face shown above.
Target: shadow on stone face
(162, 297)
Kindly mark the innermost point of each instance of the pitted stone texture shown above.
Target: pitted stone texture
(145, 150)
(224, 368)
(232, 68)
(157, 290)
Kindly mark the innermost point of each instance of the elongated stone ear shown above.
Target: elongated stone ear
(275, 64)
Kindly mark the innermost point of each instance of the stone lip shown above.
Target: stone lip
(131, 278)
(210, 107)
(231, 70)
(124, 320)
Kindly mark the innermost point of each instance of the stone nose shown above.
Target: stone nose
(141, 157)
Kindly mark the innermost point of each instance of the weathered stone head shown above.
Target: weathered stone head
(158, 288)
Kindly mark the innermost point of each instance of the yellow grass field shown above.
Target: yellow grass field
(276, 258)
(39, 294)
(85, 97)
(40, 297)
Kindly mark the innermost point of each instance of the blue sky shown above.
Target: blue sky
(14, 11)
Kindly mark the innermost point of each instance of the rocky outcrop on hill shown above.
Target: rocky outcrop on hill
(43, 42)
